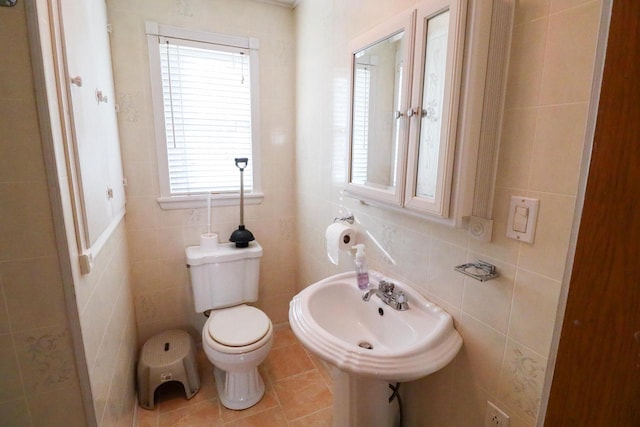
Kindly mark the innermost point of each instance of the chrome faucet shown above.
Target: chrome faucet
(387, 292)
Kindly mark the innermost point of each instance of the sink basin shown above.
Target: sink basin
(371, 339)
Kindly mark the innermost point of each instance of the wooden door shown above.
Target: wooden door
(597, 375)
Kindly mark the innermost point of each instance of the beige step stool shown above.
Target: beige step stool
(168, 356)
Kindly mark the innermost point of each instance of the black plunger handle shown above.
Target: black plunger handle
(241, 162)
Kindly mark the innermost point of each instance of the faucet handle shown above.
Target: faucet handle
(401, 301)
(386, 287)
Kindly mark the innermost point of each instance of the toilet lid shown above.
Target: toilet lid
(239, 326)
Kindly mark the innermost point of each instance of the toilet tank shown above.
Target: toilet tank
(224, 277)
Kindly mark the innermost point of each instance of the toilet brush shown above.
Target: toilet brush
(241, 237)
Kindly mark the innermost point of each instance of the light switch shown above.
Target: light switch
(520, 218)
(523, 213)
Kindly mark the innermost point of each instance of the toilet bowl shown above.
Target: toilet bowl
(236, 340)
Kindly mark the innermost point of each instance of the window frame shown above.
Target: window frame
(166, 200)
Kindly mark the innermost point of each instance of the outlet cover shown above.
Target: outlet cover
(495, 417)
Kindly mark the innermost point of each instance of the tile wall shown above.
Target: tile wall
(107, 321)
(506, 324)
(39, 384)
(157, 237)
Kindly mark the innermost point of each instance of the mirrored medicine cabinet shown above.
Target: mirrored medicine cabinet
(427, 89)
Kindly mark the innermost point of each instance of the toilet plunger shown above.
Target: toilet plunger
(241, 237)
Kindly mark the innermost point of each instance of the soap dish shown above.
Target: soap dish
(479, 270)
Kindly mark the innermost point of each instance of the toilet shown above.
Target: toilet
(236, 337)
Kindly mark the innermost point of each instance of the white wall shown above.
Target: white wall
(506, 323)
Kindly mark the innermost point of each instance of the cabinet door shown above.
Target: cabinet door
(108, 118)
(95, 132)
(434, 102)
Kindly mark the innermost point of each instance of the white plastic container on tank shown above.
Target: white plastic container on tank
(225, 277)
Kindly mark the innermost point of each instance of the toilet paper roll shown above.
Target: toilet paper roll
(209, 242)
(338, 236)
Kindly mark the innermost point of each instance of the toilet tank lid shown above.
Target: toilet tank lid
(225, 252)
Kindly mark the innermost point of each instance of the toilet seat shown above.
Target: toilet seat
(238, 326)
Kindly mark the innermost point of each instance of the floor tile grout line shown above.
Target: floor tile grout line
(309, 414)
(323, 368)
(299, 374)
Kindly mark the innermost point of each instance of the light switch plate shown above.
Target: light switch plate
(514, 224)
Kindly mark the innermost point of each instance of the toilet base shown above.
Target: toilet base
(239, 390)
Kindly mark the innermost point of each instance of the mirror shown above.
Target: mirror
(377, 103)
(380, 69)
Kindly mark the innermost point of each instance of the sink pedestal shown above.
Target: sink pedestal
(362, 402)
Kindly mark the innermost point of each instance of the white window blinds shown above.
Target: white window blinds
(360, 142)
(207, 114)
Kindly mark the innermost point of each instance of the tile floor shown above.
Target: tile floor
(298, 393)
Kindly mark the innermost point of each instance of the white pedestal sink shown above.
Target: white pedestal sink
(370, 343)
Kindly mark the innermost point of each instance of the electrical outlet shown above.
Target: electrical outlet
(494, 417)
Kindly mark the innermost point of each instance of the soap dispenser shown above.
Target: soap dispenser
(362, 274)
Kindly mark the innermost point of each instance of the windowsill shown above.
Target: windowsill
(200, 201)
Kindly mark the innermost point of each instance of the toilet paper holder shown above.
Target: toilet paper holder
(348, 219)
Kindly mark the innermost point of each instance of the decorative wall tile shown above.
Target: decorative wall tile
(183, 7)
(128, 106)
(414, 262)
(148, 307)
(195, 216)
(286, 229)
(46, 359)
(390, 239)
(522, 379)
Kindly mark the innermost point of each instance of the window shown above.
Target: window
(204, 89)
